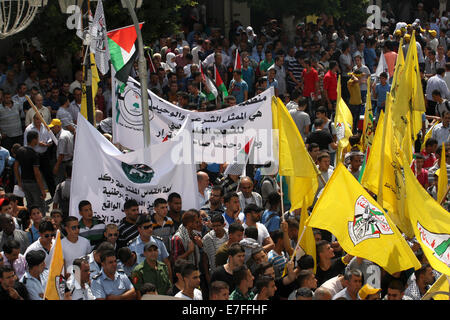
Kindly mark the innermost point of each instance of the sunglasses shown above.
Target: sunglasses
(147, 227)
(74, 227)
(113, 234)
(49, 235)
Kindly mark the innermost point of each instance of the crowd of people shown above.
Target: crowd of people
(237, 244)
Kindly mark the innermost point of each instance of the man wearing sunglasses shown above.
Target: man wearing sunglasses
(47, 234)
(111, 235)
(145, 229)
(73, 246)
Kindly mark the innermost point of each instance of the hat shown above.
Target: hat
(55, 122)
(367, 290)
(151, 243)
(398, 32)
(407, 36)
(433, 33)
(35, 257)
(4, 201)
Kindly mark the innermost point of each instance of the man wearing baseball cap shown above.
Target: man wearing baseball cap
(367, 292)
(151, 271)
(64, 152)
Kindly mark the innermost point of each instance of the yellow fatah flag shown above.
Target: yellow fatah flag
(54, 289)
(408, 141)
(368, 125)
(343, 120)
(295, 163)
(359, 223)
(307, 242)
(428, 136)
(398, 69)
(93, 80)
(440, 285)
(293, 156)
(442, 179)
(385, 161)
(431, 224)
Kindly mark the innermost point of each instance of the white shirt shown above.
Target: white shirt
(44, 136)
(263, 233)
(72, 251)
(197, 295)
(78, 292)
(38, 246)
(334, 285)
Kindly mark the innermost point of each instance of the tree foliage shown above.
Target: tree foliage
(160, 17)
(352, 11)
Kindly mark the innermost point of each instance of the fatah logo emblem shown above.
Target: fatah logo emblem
(340, 130)
(369, 222)
(138, 173)
(438, 243)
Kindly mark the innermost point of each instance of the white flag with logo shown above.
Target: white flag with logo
(107, 177)
(99, 41)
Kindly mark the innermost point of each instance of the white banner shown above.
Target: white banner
(218, 135)
(107, 177)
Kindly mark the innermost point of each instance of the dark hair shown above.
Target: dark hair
(396, 285)
(276, 235)
(235, 227)
(229, 195)
(104, 246)
(383, 75)
(4, 269)
(218, 187)
(436, 92)
(159, 201)
(319, 245)
(440, 71)
(323, 154)
(332, 64)
(82, 204)
(422, 270)
(305, 262)
(107, 253)
(143, 218)
(312, 145)
(218, 285)
(179, 265)
(318, 122)
(303, 275)
(172, 196)
(69, 219)
(218, 217)
(252, 208)
(263, 282)
(56, 211)
(79, 261)
(239, 274)
(31, 135)
(147, 287)
(188, 269)
(189, 216)
(430, 142)
(46, 225)
(130, 203)
(321, 109)
(261, 268)
(251, 232)
(234, 249)
(124, 254)
(304, 292)
(10, 245)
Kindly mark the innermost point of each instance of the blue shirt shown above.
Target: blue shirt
(238, 90)
(249, 77)
(5, 157)
(102, 286)
(35, 287)
(137, 245)
(381, 92)
(274, 222)
(370, 57)
(33, 234)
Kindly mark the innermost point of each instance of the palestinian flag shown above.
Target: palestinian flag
(219, 83)
(122, 49)
(237, 61)
(212, 94)
(237, 167)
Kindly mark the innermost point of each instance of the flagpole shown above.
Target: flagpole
(282, 196)
(142, 76)
(383, 143)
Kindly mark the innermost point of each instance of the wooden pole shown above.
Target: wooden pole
(42, 119)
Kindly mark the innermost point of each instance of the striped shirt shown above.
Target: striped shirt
(127, 232)
(211, 243)
(296, 68)
(278, 261)
(10, 123)
(165, 231)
